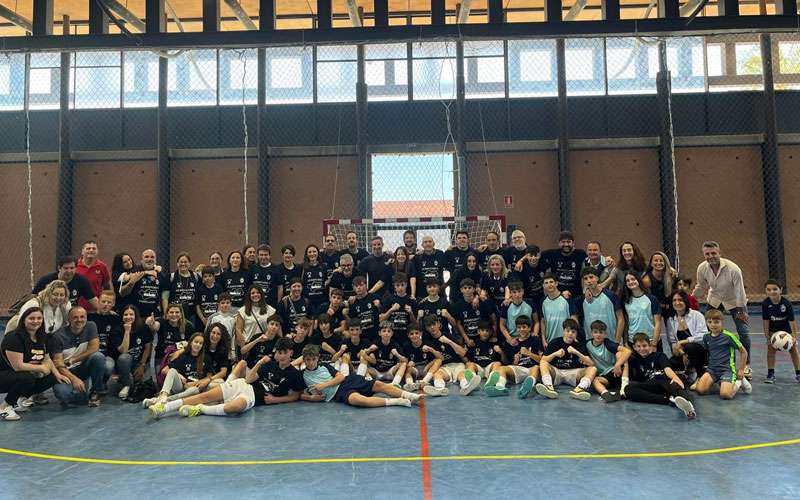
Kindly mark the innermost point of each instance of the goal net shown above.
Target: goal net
(442, 229)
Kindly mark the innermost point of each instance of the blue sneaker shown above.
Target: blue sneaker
(771, 378)
(494, 391)
(526, 388)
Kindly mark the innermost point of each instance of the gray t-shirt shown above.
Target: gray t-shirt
(68, 344)
(722, 351)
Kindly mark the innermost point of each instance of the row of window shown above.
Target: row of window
(516, 68)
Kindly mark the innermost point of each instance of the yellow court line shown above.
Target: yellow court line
(587, 456)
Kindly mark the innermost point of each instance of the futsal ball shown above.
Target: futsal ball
(781, 341)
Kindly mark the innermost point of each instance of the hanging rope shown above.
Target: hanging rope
(243, 59)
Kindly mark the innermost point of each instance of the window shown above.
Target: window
(434, 67)
(535, 66)
(140, 88)
(585, 66)
(789, 57)
(289, 75)
(195, 78)
(96, 80)
(716, 59)
(336, 73)
(45, 80)
(386, 72)
(5, 79)
(238, 72)
(748, 59)
(12, 81)
(532, 68)
(628, 62)
(485, 69)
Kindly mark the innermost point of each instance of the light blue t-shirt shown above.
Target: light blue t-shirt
(604, 308)
(603, 355)
(554, 312)
(514, 311)
(641, 311)
(322, 373)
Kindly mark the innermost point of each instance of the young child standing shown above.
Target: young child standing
(778, 316)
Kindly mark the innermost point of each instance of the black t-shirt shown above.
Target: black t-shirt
(429, 266)
(483, 353)
(284, 276)
(511, 255)
(336, 318)
(260, 350)
(455, 259)
(642, 369)
(314, 283)
(533, 344)
(182, 290)
(779, 315)
(266, 279)
(291, 311)
(344, 283)
(449, 354)
(437, 308)
(568, 361)
(138, 340)
(483, 257)
(299, 345)
(77, 287)
(207, 298)
(366, 310)
(354, 348)
(495, 288)
(16, 341)
(186, 365)
(277, 381)
(462, 274)
(417, 355)
(532, 277)
(384, 359)
(401, 318)
(374, 268)
(217, 360)
(468, 316)
(330, 261)
(146, 294)
(236, 284)
(359, 255)
(566, 268)
(169, 335)
(409, 270)
(334, 342)
(108, 325)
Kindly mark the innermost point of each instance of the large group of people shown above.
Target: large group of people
(381, 328)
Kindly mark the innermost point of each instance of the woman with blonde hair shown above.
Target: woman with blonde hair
(493, 284)
(54, 303)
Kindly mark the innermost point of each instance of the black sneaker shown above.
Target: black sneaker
(94, 400)
(610, 397)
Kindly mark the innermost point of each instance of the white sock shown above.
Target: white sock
(397, 402)
(501, 382)
(463, 383)
(218, 410)
(625, 381)
(409, 396)
(362, 369)
(438, 383)
(397, 378)
(344, 369)
(191, 391)
(738, 385)
(173, 405)
(547, 379)
(427, 378)
(532, 378)
(585, 383)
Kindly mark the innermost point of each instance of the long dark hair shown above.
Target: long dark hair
(241, 257)
(201, 355)
(138, 323)
(248, 304)
(637, 260)
(306, 262)
(40, 333)
(684, 298)
(116, 265)
(224, 346)
(406, 264)
(627, 295)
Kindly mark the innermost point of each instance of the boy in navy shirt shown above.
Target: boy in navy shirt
(778, 316)
(522, 362)
(722, 346)
(423, 360)
(386, 362)
(609, 358)
(566, 361)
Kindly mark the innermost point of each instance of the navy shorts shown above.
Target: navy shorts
(353, 383)
(613, 380)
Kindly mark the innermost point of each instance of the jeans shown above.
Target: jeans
(172, 382)
(23, 384)
(657, 390)
(742, 330)
(124, 365)
(91, 371)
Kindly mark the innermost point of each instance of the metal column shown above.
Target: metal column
(66, 170)
(666, 161)
(164, 203)
(462, 197)
(564, 194)
(365, 194)
(263, 147)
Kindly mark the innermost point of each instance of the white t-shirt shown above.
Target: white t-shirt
(251, 329)
(54, 317)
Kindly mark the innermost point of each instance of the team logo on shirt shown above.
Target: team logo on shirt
(241, 280)
(138, 341)
(783, 308)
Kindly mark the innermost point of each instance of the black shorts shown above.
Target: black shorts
(614, 382)
(353, 383)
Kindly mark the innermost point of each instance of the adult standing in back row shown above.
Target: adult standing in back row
(721, 285)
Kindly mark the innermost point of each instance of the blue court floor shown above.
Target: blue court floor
(455, 447)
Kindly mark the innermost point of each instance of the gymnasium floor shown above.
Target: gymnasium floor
(453, 447)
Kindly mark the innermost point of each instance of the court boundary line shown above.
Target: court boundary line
(424, 450)
(441, 458)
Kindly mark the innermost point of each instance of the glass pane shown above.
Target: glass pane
(387, 51)
(196, 79)
(289, 75)
(531, 68)
(12, 81)
(141, 79)
(789, 53)
(336, 81)
(96, 88)
(748, 59)
(585, 66)
(434, 79)
(239, 71)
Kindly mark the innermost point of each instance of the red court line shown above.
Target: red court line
(424, 452)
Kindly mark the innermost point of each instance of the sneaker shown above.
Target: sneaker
(94, 400)
(492, 380)
(189, 411)
(9, 414)
(123, 393)
(494, 391)
(685, 406)
(747, 387)
(610, 397)
(410, 386)
(693, 387)
(547, 391)
(771, 378)
(748, 373)
(579, 394)
(23, 404)
(797, 377)
(525, 389)
(157, 410)
(432, 390)
(473, 383)
(39, 399)
(147, 403)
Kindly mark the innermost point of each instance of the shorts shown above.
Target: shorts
(520, 372)
(453, 369)
(722, 374)
(353, 383)
(238, 388)
(567, 377)
(482, 371)
(385, 375)
(613, 380)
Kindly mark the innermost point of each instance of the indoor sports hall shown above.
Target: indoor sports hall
(505, 226)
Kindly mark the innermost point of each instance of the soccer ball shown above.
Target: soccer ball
(781, 341)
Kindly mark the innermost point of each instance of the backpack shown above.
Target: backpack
(165, 362)
(142, 390)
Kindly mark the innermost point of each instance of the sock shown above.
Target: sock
(771, 372)
(191, 391)
(397, 402)
(438, 383)
(463, 382)
(230, 377)
(173, 405)
(468, 374)
(218, 410)
(604, 391)
(547, 379)
(585, 383)
(409, 380)
(624, 384)
(797, 372)
(501, 382)
(738, 385)
(362, 369)
(427, 378)
(409, 396)
(672, 399)
(397, 378)
(344, 369)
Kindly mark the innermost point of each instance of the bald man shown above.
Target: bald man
(75, 349)
(146, 284)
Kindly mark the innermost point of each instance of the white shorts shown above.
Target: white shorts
(567, 377)
(453, 369)
(481, 371)
(520, 373)
(238, 388)
(384, 376)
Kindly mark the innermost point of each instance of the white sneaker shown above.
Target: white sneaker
(432, 390)
(747, 387)
(473, 384)
(23, 404)
(123, 393)
(147, 403)
(685, 406)
(9, 414)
